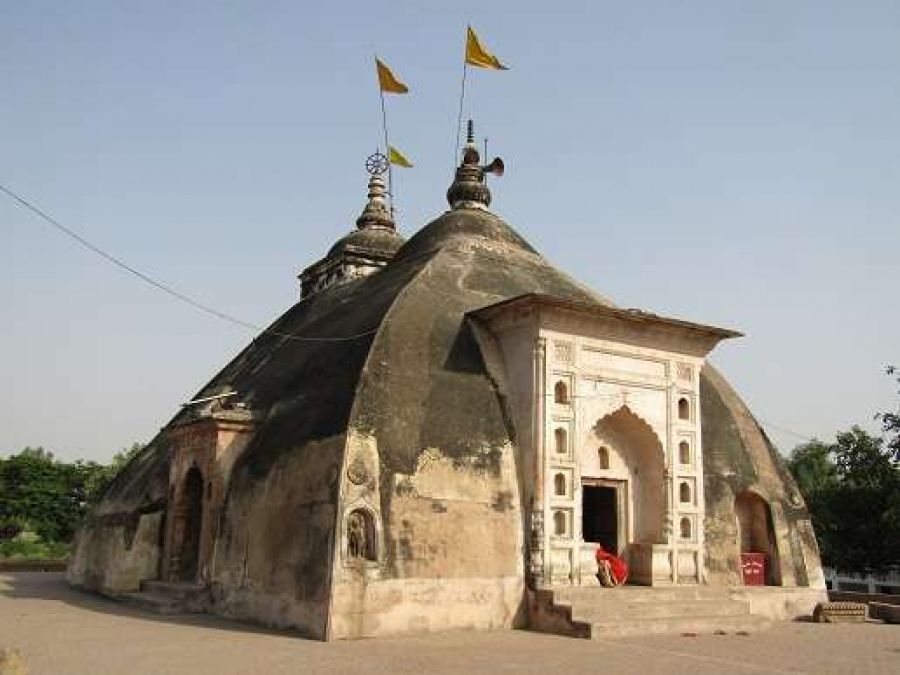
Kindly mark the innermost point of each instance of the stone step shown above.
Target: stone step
(167, 597)
(700, 625)
(151, 602)
(636, 594)
(603, 612)
(176, 589)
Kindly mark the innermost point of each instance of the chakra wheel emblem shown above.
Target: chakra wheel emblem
(376, 164)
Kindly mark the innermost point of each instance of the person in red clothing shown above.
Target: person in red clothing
(611, 571)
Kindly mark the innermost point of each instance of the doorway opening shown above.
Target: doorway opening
(192, 514)
(600, 516)
(756, 533)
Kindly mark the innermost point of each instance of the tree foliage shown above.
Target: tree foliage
(890, 422)
(852, 490)
(49, 498)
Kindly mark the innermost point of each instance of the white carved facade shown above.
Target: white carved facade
(615, 440)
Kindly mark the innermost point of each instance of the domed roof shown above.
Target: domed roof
(394, 361)
(380, 241)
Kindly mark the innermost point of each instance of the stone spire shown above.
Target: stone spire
(469, 191)
(376, 212)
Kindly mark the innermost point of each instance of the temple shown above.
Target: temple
(439, 434)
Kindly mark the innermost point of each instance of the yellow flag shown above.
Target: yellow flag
(387, 80)
(398, 158)
(477, 55)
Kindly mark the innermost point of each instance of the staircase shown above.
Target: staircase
(170, 597)
(605, 613)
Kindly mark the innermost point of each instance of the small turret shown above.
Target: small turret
(365, 250)
(376, 212)
(469, 190)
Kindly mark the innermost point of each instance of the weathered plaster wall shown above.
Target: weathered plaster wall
(113, 558)
(273, 560)
(119, 544)
(738, 457)
(449, 556)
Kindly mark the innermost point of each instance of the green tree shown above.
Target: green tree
(37, 489)
(99, 479)
(41, 494)
(852, 490)
(813, 467)
(890, 422)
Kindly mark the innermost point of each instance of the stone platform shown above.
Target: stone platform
(600, 613)
(169, 597)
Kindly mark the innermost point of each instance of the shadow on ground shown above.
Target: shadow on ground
(53, 586)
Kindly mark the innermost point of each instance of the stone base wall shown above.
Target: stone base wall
(111, 558)
(274, 610)
(780, 603)
(409, 606)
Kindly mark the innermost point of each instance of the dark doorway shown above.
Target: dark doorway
(599, 520)
(192, 512)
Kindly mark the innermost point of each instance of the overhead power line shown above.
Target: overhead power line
(783, 430)
(164, 287)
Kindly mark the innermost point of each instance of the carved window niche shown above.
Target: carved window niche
(603, 457)
(684, 409)
(684, 452)
(561, 393)
(361, 536)
(561, 441)
(560, 485)
(560, 524)
(686, 528)
(684, 493)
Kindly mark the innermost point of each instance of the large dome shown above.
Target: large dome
(384, 402)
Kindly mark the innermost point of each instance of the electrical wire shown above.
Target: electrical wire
(783, 430)
(178, 295)
(166, 288)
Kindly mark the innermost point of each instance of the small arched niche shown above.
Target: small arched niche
(684, 493)
(603, 457)
(756, 532)
(684, 409)
(685, 527)
(561, 393)
(559, 485)
(361, 539)
(560, 524)
(684, 452)
(560, 439)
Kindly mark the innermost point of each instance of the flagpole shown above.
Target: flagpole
(462, 95)
(387, 147)
(387, 151)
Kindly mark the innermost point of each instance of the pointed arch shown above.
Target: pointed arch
(636, 443)
(756, 531)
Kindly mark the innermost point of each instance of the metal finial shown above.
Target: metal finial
(377, 164)
(470, 133)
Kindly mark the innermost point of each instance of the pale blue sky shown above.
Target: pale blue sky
(735, 163)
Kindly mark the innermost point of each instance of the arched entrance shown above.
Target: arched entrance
(624, 489)
(756, 533)
(190, 515)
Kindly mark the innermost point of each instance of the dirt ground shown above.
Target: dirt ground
(62, 631)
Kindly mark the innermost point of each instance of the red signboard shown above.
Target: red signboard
(753, 565)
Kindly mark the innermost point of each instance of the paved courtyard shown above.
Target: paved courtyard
(62, 631)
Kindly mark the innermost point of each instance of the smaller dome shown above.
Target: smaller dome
(380, 241)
